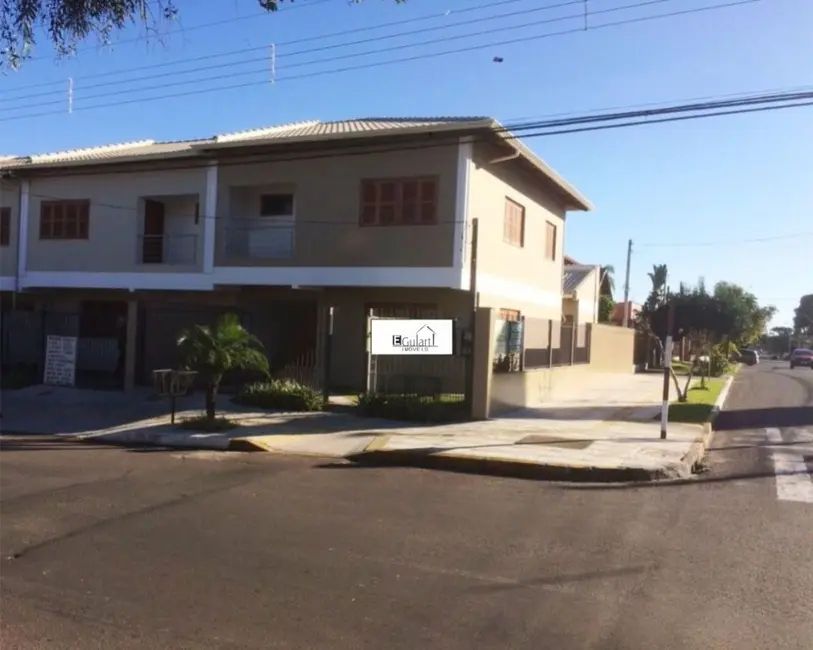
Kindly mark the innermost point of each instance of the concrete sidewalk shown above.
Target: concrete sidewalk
(595, 437)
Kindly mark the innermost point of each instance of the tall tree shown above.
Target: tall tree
(699, 317)
(67, 22)
(750, 319)
(803, 317)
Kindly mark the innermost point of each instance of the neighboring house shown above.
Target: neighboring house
(581, 289)
(633, 309)
(276, 223)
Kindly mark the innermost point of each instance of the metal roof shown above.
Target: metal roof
(574, 276)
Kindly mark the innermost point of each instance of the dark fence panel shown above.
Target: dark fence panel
(443, 377)
(543, 344)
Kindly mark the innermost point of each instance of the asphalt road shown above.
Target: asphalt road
(120, 549)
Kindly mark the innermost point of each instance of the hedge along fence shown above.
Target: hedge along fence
(280, 394)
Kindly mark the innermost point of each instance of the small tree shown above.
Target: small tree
(699, 317)
(214, 351)
(606, 305)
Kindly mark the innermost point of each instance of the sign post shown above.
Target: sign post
(667, 369)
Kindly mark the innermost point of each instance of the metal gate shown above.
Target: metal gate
(439, 377)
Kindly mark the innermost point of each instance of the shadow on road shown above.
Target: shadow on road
(44, 443)
(789, 416)
(699, 479)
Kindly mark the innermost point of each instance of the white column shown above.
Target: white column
(22, 232)
(460, 258)
(209, 216)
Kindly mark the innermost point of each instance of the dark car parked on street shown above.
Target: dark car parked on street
(801, 357)
(749, 357)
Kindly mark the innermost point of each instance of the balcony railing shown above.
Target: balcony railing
(260, 241)
(174, 250)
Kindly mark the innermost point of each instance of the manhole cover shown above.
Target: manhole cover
(552, 441)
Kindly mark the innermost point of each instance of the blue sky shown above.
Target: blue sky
(672, 188)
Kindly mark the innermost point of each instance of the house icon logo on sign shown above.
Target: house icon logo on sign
(422, 341)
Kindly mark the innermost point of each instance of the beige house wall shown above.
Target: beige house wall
(10, 198)
(612, 349)
(116, 219)
(535, 283)
(327, 193)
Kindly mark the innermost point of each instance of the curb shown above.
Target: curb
(374, 455)
(699, 448)
(246, 444)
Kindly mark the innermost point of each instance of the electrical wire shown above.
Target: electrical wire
(451, 138)
(373, 64)
(307, 39)
(729, 241)
(191, 28)
(264, 58)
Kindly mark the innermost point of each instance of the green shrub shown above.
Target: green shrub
(718, 362)
(203, 423)
(412, 408)
(280, 394)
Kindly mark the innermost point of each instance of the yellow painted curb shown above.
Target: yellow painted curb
(378, 443)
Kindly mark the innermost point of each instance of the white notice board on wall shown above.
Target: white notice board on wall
(60, 361)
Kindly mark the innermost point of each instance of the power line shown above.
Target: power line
(264, 58)
(685, 100)
(446, 139)
(398, 60)
(730, 241)
(319, 37)
(192, 28)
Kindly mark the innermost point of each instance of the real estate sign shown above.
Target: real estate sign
(398, 336)
(60, 361)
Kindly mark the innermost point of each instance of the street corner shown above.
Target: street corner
(250, 444)
(377, 454)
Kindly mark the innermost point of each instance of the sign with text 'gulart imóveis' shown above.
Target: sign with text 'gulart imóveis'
(411, 336)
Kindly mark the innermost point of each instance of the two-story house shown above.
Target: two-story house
(373, 213)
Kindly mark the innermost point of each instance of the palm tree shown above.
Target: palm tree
(608, 279)
(658, 277)
(214, 351)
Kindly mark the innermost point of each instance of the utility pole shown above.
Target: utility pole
(667, 366)
(625, 322)
(273, 63)
(70, 95)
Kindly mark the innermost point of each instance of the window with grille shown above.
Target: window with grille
(514, 223)
(399, 202)
(64, 219)
(550, 241)
(5, 226)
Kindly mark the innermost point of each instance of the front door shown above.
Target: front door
(152, 247)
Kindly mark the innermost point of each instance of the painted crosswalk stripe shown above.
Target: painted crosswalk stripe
(793, 481)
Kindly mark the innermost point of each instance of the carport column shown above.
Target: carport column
(482, 366)
(22, 232)
(132, 342)
(209, 219)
